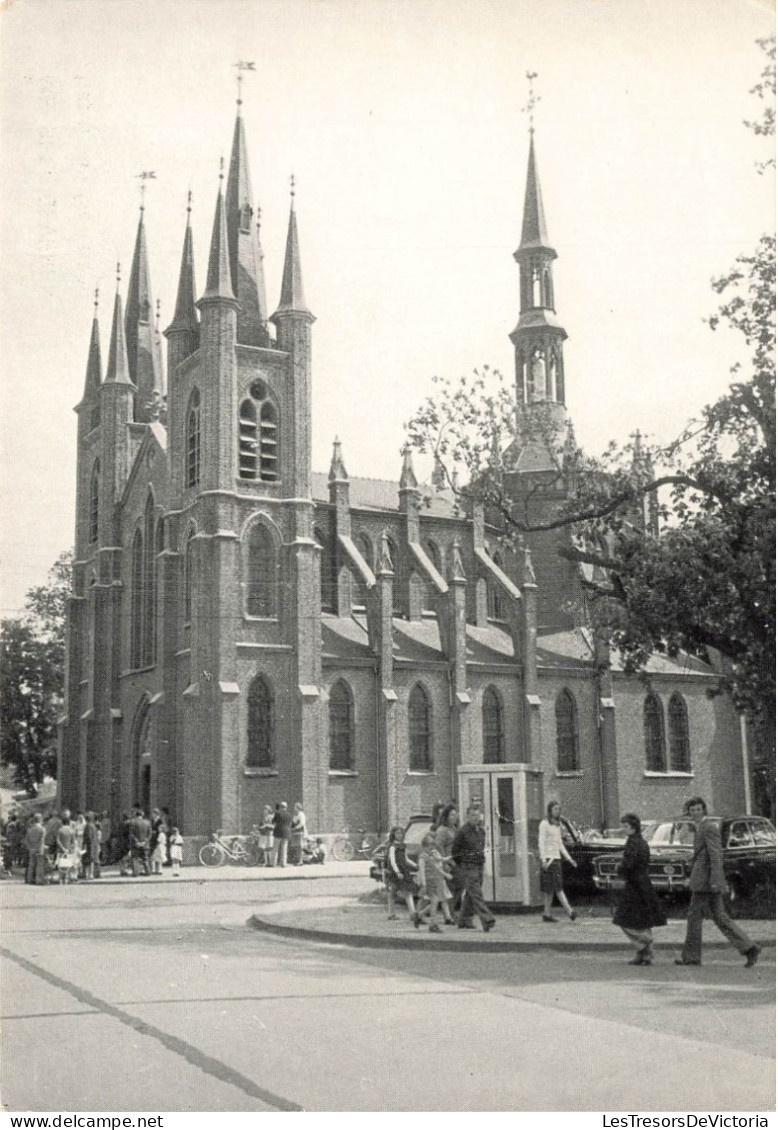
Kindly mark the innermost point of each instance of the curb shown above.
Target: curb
(457, 945)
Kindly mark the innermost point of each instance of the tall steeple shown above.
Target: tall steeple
(142, 353)
(183, 333)
(292, 299)
(538, 336)
(246, 268)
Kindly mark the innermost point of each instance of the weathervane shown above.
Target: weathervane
(147, 174)
(532, 101)
(242, 66)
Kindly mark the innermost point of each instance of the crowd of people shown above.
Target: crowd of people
(62, 848)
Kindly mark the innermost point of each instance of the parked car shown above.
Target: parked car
(585, 846)
(749, 856)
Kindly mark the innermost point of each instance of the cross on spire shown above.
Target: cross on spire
(532, 100)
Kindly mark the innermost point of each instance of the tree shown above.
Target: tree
(32, 679)
(678, 541)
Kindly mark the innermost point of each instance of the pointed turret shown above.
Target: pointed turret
(218, 284)
(142, 353)
(408, 480)
(338, 472)
(292, 296)
(94, 368)
(183, 333)
(245, 255)
(118, 371)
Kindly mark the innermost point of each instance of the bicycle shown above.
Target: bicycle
(344, 849)
(239, 849)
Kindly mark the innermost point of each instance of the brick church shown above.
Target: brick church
(243, 629)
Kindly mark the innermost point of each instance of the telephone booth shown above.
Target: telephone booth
(511, 797)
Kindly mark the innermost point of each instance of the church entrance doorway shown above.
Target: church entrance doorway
(511, 798)
(142, 761)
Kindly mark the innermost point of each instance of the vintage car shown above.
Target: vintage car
(583, 846)
(749, 856)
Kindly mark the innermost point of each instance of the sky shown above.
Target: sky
(403, 123)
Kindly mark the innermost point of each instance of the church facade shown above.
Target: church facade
(243, 630)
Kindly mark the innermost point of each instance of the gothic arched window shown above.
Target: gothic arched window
(430, 592)
(494, 737)
(394, 557)
(261, 751)
(193, 440)
(678, 719)
(419, 731)
(327, 575)
(136, 602)
(94, 501)
(262, 581)
(188, 577)
(149, 585)
(567, 758)
(495, 607)
(654, 734)
(258, 435)
(359, 588)
(341, 727)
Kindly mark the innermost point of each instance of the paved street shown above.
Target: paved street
(183, 1006)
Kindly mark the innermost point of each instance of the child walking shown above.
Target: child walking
(176, 851)
(435, 875)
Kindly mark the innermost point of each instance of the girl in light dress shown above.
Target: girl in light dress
(266, 834)
(159, 854)
(176, 852)
(433, 873)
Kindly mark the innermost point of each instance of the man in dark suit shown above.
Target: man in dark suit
(467, 851)
(707, 885)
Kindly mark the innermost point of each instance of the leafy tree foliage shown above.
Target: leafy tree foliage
(32, 678)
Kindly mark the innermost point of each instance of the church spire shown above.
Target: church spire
(538, 336)
(184, 315)
(248, 284)
(142, 352)
(94, 368)
(118, 371)
(292, 296)
(219, 281)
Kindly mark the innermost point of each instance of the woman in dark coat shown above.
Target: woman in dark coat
(638, 907)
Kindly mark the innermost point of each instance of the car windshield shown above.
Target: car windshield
(417, 830)
(763, 833)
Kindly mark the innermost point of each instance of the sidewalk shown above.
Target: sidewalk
(231, 873)
(363, 922)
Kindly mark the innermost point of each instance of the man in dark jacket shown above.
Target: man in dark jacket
(140, 834)
(707, 885)
(467, 852)
(282, 827)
